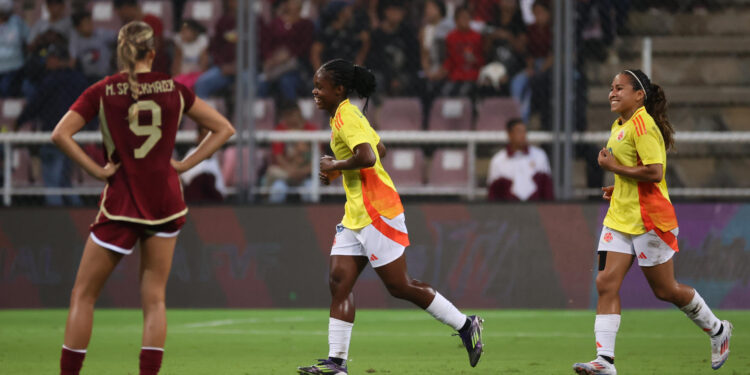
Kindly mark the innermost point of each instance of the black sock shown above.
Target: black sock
(338, 361)
(466, 325)
(608, 359)
(721, 329)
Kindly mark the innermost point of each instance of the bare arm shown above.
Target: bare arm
(363, 157)
(648, 173)
(62, 136)
(381, 150)
(219, 132)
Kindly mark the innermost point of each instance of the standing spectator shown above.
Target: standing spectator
(395, 62)
(464, 57)
(127, 11)
(190, 53)
(290, 162)
(340, 36)
(92, 48)
(535, 78)
(285, 51)
(435, 29)
(57, 22)
(519, 172)
(506, 39)
(57, 91)
(222, 50)
(13, 36)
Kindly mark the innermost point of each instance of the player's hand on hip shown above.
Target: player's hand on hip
(607, 195)
(327, 163)
(108, 170)
(178, 166)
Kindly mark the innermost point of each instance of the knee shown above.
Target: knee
(665, 294)
(605, 284)
(337, 283)
(152, 300)
(81, 295)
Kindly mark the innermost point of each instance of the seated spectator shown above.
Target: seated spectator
(290, 162)
(92, 48)
(340, 37)
(505, 39)
(127, 11)
(464, 57)
(519, 172)
(395, 61)
(285, 50)
(222, 50)
(204, 182)
(535, 78)
(58, 22)
(190, 53)
(57, 91)
(13, 36)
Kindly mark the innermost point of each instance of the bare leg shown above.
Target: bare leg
(665, 287)
(609, 280)
(96, 265)
(344, 271)
(402, 286)
(156, 262)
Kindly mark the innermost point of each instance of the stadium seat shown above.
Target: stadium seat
(311, 113)
(216, 103)
(103, 15)
(206, 12)
(10, 108)
(494, 113)
(450, 114)
(265, 114)
(400, 114)
(449, 168)
(229, 162)
(405, 166)
(162, 9)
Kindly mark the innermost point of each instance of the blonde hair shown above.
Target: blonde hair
(134, 42)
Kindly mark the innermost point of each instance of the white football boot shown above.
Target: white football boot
(597, 366)
(720, 346)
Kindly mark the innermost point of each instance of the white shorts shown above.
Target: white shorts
(650, 249)
(381, 242)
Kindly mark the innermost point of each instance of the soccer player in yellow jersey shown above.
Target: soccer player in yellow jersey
(373, 228)
(641, 221)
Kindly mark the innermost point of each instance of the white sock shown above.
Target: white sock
(444, 311)
(701, 315)
(339, 336)
(605, 330)
(82, 351)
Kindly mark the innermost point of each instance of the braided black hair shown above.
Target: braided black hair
(353, 77)
(655, 102)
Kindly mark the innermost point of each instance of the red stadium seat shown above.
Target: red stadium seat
(400, 114)
(450, 114)
(449, 168)
(216, 103)
(10, 108)
(206, 12)
(494, 113)
(103, 15)
(405, 166)
(162, 9)
(311, 113)
(265, 114)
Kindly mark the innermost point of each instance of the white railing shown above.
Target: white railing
(468, 139)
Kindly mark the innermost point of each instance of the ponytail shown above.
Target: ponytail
(655, 102)
(134, 41)
(353, 77)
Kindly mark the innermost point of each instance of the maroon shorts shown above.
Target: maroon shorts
(122, 236)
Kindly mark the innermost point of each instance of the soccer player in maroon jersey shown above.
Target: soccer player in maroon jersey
(139, 112)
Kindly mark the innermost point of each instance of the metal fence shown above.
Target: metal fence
(451, 73)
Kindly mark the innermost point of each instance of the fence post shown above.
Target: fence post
(7, 172)
(315, 170)
(471, 153)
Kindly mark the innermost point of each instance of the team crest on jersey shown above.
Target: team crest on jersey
(621, 135)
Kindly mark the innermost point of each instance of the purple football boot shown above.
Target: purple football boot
(472, 339)
(324, 366)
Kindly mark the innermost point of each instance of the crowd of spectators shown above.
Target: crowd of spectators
(416, 48)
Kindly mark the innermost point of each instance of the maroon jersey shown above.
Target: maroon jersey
(146, 189)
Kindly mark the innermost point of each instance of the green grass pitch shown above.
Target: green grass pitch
(383, 342)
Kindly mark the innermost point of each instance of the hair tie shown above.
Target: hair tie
(645, 95)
